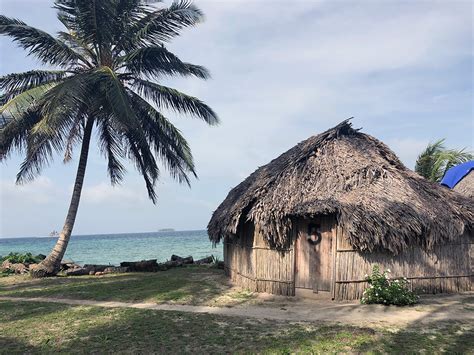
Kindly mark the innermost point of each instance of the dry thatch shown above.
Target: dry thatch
(466, 185)
(379, 203)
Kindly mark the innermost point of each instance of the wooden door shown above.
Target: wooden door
(314, 262)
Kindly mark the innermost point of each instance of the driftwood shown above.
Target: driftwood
(186, 260)
(68, 264)
(78, 271)
(173, 263)
(96, 268)
(141, 266)
(116, 270)
(206, 260)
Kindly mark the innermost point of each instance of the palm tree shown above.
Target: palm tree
(436, 159)
(107, 63)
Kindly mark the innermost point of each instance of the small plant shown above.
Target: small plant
(18, 258)
(385, 291)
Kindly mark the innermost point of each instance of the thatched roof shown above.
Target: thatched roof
(466, 185)
(379, 203)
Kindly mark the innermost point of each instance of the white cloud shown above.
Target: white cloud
(283, 71)
(40, 191)
(104, 193)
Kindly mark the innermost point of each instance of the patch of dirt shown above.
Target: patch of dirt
(431, 310)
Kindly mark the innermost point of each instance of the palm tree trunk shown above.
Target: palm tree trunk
(51, 265)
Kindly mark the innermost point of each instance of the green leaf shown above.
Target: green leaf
(165, 97)
(39, 43)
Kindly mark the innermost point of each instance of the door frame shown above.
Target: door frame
(330, 227)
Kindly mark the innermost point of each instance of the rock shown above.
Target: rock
(32, 266)
(78, 272)
(116, 270)
(163, 267)
(69, 264)
(186, 260)
(141, 266)
(206, 260)
(99, 273)
(19, 268)
(173, 263)
(96, 268)
(6, 265)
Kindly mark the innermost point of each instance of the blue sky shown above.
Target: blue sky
(282, 71)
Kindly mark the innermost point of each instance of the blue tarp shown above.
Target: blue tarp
(456, 173)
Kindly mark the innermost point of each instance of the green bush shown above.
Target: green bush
(16, 258)
(385, 291)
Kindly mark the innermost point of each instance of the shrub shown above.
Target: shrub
(385, 291)
(16, 258)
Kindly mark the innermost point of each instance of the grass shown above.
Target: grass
(56, 328)
(196, 285)
(35, 327)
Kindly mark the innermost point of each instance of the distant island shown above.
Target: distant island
(166, 230)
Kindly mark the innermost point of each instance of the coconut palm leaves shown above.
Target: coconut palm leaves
(436, 159)
(109, 58)
(108, 62)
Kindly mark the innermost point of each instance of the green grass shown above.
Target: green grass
(56, 328)
(190, 285)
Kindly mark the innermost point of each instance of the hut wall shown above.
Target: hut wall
(446, 269)
(252, 264)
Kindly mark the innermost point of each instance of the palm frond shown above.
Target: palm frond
(128, 124)
(436, 159)
(158, 61)
(16, 83)
(91, 20)
(73, 138)
(166, 140)
(24, 101)
(169, 98)
(14, 133)
(39, 43)
(111, 146)
(160, 25)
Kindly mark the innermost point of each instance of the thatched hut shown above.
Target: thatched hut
(317, 218)
(466, 185)
(460, 178)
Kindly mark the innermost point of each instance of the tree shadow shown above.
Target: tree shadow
(10, 345)
(189, 285)
(434, 332)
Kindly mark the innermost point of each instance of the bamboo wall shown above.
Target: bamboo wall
(252, 264)
(446, 269)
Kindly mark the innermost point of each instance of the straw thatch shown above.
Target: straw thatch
(466, 185)
(379, 203)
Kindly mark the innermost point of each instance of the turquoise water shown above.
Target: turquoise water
(115, 248)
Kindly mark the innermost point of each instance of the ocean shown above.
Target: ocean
(115, 248)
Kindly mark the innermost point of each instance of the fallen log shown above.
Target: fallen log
(186, 260)
(96, 268)
(173, 263)
(78, 272)
(206, 260)
(115, 270)
(141, 266)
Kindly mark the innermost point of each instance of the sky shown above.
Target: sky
(282, 71)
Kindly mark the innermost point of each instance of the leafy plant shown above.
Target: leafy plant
(385, 291)
(436, 159)
(19, 258)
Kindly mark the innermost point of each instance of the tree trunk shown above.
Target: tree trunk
(51, 265)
